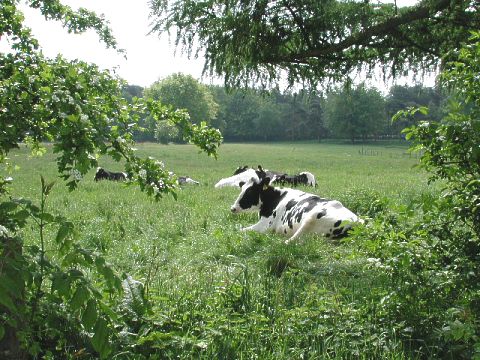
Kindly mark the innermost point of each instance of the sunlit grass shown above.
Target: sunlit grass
(240, 294)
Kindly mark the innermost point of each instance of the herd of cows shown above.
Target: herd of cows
(283, 210)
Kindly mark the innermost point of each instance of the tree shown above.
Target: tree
(184, 92)
(355, 113)
(402, 97)
(257, 41)
(131, 91)
(81, 111)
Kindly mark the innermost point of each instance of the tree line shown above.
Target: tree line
(353, 112)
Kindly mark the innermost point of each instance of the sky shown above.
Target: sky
(149, 57)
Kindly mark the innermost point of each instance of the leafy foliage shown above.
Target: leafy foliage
(66, 296)
(260, 41)
(431, 250)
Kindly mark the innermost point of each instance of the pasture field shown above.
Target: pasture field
(216, 292)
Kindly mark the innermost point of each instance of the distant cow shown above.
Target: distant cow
(182, 180)
(103, 174)
(244, 173)
(304, 178)
(292, 212)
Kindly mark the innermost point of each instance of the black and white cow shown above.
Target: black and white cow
(304, 178)
(103, 174)
(244, 173)
(292, 212)
(183, 180)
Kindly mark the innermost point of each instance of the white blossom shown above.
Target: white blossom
(3, 231)
(76, 174)
(155, 188)
(143, 174)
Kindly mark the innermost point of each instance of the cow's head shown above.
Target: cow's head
(249, 198)
(240, 169)
(100, 173)
(260, 174)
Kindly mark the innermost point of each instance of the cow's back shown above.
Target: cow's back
(315, 214)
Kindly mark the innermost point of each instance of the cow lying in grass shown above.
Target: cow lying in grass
(243, 173)
(183, 180)
(292, 212)
(103, 174)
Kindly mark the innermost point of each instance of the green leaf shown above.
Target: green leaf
(46, 217)
(90, 314)
(61, 284)
(65, 230)
(100, 340)
(8, 206)
(6, 300)
(21, 215)
(80, 296)
(423, 110)
(2, 332)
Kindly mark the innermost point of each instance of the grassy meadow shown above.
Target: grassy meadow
(216, 292)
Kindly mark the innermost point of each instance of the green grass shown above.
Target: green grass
(217, 292)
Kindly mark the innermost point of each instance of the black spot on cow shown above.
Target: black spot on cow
(285, 231)
(337, 224)
(270, 198)
(294, 210)
(251, 196)
(338, 231)
(321, 213)
(290, 204)
(274, 214)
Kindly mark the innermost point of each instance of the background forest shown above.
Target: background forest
(353, 112)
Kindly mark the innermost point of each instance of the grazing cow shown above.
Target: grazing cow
(243, 173)
(304, 178)
(103, 174)
(292, 212)
(182, 180)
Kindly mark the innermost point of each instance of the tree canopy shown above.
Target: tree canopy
(308, 40)
(184, 92)
(355, 113)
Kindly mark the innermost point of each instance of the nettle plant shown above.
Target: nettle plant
(65, 301)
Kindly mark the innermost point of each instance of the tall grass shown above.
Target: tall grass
(219, 293)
